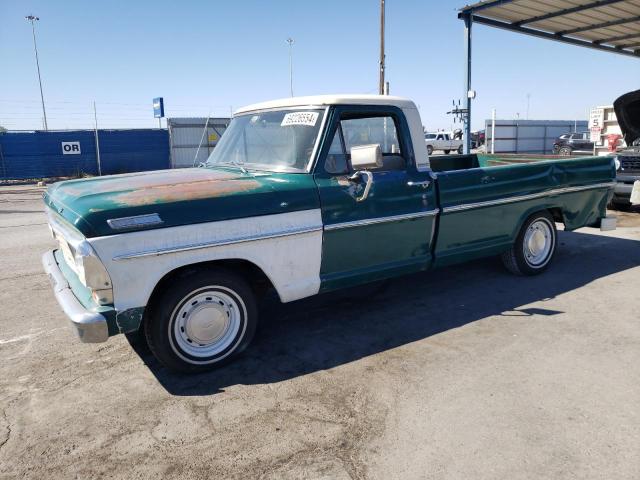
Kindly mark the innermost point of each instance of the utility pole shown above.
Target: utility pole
(382, 57)
(33, 19)
(290, 41)
(493, 132)
(528, 101)
(95, 118)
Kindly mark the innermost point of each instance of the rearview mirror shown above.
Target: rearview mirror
(364, 157)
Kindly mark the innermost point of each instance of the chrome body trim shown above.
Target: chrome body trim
(424, 184)
(217, 243)
(60, 227)
(522, 198)
(373, 221)
(90, 326)
(136, 221)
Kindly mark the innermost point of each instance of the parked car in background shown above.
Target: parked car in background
(442, 141)
(569, 143)
(477, 138)
(627, 108)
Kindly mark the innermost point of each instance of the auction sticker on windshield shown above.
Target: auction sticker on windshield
(308, 119)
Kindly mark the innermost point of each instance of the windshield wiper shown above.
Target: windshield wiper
(235, 163)
(239, 165)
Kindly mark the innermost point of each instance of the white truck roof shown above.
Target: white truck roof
(408, 108)
(344, 99)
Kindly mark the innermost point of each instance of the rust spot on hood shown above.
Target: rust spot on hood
(161, 178)
(150, 195)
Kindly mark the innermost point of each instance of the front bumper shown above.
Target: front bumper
(624, 186)
(90, 326)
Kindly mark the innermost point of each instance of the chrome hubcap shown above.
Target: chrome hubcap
(206, 323)
(538, 242)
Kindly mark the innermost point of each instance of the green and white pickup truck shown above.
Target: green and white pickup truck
(303, 195)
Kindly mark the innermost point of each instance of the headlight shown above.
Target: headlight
(617, 163)
(82, 258)
(90, 269)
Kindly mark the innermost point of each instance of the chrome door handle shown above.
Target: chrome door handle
(424, 184)
(357, 176)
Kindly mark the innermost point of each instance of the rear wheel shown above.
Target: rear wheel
(460, 150)
(534, 247)
(429, 149)
(202, 321)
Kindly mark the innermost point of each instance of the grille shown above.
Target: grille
(630, 163)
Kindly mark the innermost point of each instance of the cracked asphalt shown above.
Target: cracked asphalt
(466, 372)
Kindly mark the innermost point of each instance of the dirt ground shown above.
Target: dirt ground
(462, 373)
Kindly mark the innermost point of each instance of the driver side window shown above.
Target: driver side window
(336, 157)
(359, 131)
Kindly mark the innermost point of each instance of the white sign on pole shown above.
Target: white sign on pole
(71, 148)
(596, 121)
(635, 193)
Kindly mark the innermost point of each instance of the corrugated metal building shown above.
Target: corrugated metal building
(191, 143)
(530, 136)
(40, 154)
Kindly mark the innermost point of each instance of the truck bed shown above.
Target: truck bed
(483, 205)
(442, 163)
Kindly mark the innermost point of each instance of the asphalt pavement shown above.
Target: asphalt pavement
(462, 373)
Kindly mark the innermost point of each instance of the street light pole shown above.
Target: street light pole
(290, 42)
(382, 56)
(33, 19)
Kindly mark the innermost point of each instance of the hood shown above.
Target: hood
(179, 197)
(627, 108)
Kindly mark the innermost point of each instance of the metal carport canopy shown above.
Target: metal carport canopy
(607, 25)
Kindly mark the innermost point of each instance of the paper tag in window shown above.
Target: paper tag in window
(308, 119)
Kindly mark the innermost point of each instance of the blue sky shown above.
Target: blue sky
(206, 57)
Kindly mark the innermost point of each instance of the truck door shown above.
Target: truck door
(448, 142)
(378, 222)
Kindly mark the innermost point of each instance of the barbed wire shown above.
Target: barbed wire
(25, 114)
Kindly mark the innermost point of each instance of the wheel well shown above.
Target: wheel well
(557, 214)
(253, 274)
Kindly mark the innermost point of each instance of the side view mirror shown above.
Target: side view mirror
(364, 157)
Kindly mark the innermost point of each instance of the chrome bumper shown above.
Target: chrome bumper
(90, 326)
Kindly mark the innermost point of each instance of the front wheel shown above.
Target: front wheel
(460, 150)
(429, 149)
(534, 247)
(202, 321)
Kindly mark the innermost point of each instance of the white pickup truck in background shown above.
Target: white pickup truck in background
(444, 141)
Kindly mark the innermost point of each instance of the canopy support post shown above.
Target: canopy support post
(468, 22)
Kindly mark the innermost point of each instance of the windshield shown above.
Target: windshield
(280, 140)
